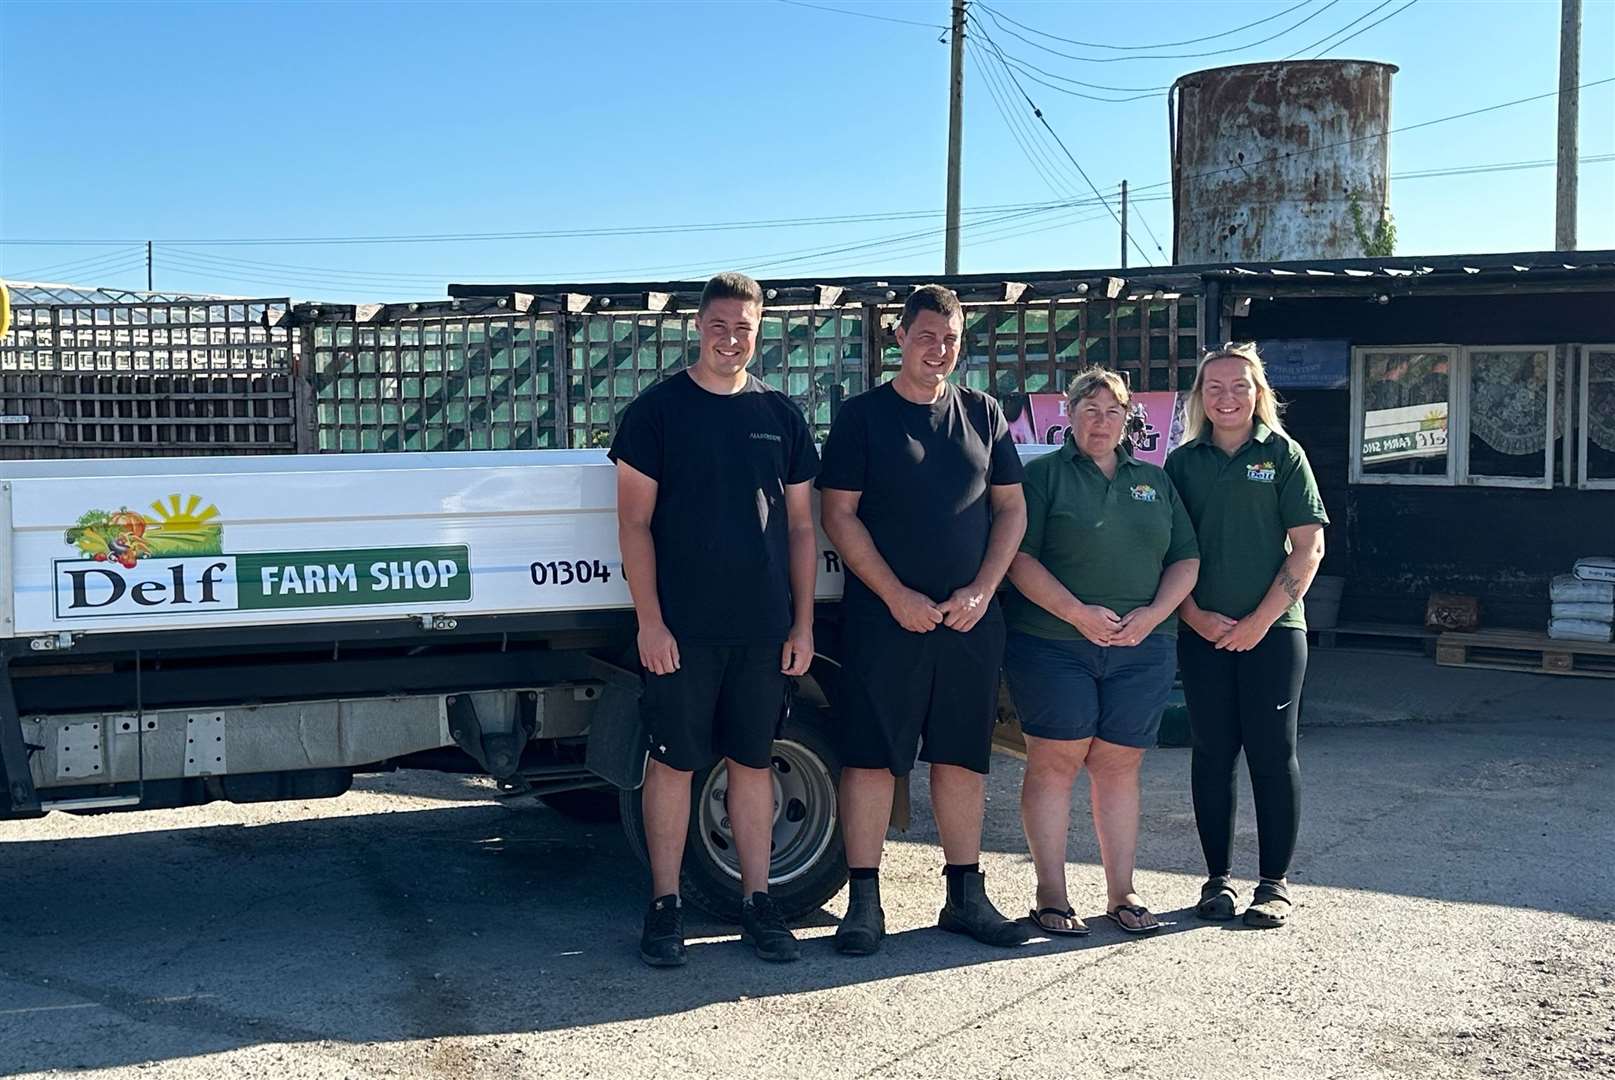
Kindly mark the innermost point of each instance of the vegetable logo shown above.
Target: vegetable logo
(175, 529)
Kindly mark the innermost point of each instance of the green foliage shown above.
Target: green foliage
(1380, 241)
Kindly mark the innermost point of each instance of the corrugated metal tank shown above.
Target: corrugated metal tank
(1265, 155)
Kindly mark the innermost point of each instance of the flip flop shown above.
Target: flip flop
(1137, 912)
(1081, 929)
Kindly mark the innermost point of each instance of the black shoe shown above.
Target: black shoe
(762, 928)
(968, 911)
(662, 943)
(864, 926)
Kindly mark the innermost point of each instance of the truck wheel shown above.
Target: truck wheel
(589, 805)
(809, 865)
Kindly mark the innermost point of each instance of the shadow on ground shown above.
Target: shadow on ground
(470, 919)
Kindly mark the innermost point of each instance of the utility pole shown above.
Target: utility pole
(148, 266)
(1124, 224)
(956, 100)
(1564, 227)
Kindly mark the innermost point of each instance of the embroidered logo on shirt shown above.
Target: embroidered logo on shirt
(1263, 473)
(770, 436)
(1143, 493)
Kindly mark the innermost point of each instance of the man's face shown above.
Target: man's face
(728, 330)
(930, 347)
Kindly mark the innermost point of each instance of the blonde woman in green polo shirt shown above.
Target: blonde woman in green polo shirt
(1243, 650)
(1108, 556)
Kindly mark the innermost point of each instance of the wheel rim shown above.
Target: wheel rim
(804, 814)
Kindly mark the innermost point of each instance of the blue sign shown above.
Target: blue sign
(1307, 363)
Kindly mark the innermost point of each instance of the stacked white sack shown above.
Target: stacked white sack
(1584, 602)
(1596, 568)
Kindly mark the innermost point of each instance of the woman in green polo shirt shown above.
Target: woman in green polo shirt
(1243, 652)
(1107, 557)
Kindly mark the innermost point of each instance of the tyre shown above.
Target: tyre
(590, 805)
(809, 865)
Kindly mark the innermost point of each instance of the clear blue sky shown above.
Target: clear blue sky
(192, 123)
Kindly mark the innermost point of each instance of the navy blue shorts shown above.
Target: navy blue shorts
(1079, 690)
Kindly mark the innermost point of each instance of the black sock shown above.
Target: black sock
(863, 873)
(959, 869)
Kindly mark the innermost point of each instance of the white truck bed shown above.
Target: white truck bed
(186, 543)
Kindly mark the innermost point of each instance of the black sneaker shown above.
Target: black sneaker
(762, 928)
(662, 943)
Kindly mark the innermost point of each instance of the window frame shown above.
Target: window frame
(1467, 479)
(1359, 415)
(1582, 406)
(1460, 368)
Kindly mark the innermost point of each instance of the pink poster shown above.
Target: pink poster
(1156, 421)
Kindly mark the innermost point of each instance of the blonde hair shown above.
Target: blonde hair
(1268, 405)
(1092, 380)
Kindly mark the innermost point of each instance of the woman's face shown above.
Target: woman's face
(1097, 422)
(1228, 393)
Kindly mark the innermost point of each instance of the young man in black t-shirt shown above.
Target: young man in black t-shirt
(715, 521)
(921, 495)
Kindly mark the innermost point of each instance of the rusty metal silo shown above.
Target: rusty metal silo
(1264, 157)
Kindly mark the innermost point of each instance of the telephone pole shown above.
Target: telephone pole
(1124, 224)
(148, 266)
(1564, 227)
(956, 99)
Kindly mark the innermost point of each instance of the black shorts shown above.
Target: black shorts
(724, 701)
(935, 693)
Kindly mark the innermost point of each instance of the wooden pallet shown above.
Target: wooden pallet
(1513, 650)
(1373, 635)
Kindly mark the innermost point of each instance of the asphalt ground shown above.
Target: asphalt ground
(1456, 889)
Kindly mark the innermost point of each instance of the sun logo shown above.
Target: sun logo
(173, 518)
(185, 527)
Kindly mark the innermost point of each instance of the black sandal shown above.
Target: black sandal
(1080, 929)
(1217, 898)
(1270, 906)
(1138, 912)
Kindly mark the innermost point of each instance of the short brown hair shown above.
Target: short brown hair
(937, 298)
(1092, 380)
(730, 285)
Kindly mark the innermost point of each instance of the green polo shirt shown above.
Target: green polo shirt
(1105, 540)
(1242, 505)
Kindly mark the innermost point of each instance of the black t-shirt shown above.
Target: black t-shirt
(924, 471)
(721, 464)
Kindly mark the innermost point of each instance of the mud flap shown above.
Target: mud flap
(618, 742)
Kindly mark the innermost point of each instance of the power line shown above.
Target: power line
(863, 15)
(1340, 30)
(75, 266)
(543, 234)
(1153, 239)
(1365, 29)
(1006, 113)
(1027, 70)
(1146, 90)
(995, 16)
(1156, 45)
(1037, 112)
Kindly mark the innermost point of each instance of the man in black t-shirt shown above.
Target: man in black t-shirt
(921, 495)
(715, 521)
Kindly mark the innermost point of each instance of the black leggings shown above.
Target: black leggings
(1248, 701)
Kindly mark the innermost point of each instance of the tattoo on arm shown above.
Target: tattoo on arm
(1288, 582)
